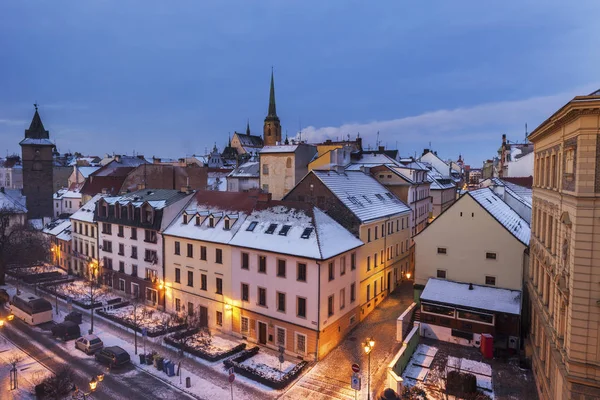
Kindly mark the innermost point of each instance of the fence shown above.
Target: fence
(398, 364)
(403, 322)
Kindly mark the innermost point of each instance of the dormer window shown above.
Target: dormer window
(198, 220)
(147, 214)
(271, 229)
(227, 224)
(185, 218)
(211, 222)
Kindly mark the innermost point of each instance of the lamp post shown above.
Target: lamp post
(368, 346)
(93, 268)
(93, 385)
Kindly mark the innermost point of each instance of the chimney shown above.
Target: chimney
(359, 143)
(156, 160)
(425, 151)
(264, 197)
(504, 138)
(381, 149)
(470, 286)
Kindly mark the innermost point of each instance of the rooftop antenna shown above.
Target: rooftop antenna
(299, 129)
(526, 132)
(377, 142)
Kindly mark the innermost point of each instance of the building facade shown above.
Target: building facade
(281, 167)
(59, 233)
(84, 237)
(564, 269)
(130, 240)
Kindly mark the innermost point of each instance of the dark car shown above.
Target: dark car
(113, 356)
(66, 331)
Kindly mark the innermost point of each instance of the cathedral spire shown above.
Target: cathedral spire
(272, 108)
(248, 127)
(36, 128)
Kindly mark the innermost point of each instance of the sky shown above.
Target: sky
(172, 78)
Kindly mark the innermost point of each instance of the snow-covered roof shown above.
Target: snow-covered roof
(249, 140)
(362, 194)
(481, 297)
(286, 148)
(39, 142)
(57, 227)
(66, 194)
(86, 171)
(502, 212)
(12, 200)
(317, 236)
(521, 193)
(218, 183)
(86, 213)
(439, 182)
(371, 160)
(250, 169)
(36, 223)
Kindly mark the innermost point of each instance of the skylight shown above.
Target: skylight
(284, 230)
(252, 225)
(367, 199)
(389, 195)
(306, 233)
(380, 197)
(271, 229)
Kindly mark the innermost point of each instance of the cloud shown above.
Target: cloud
(466, 124)
(5, 121)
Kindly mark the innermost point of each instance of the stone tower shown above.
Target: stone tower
(272, 127)
(36, 153)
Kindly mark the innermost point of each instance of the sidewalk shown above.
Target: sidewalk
(209, 380)
(330, 378)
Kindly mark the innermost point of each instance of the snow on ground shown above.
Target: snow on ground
(38, 270)
(152, 319)
(218, 344)
(268, 365)
(80, 291)
(30, 372)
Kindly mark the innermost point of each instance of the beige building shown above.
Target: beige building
(84, 237)
(565, 266)
(281, 167)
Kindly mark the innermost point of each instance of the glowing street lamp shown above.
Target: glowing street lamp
(93, 384)
(368, 346)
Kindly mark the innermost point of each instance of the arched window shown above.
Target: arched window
(288, 162)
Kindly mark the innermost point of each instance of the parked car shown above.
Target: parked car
(89, 344)
(113, 356)
(66, 330)
(74, 316)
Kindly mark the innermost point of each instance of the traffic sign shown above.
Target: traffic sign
(355, 368)
(281, 359)
(144, 332)
(355, 382)
(231, 371)
(231, 378)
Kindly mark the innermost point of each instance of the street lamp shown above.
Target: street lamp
(368, 346)
(93, 268)
(93, 384)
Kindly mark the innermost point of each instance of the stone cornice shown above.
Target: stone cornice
(579, 106)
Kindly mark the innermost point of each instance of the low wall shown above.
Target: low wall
(403, 321)
(398, 364)
(444, 334)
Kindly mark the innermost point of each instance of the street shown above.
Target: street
(127, 383)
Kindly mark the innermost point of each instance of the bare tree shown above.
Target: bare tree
(137, 303)
(93, 291)
(20, 244)
(194, 328)
(59, 384)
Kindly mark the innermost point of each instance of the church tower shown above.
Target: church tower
(36, 155)
(272, 127)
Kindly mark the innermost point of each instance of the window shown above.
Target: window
(252, 225)
(190, 250)
(190, 309)
(342, 298)
(135, 290)
(331, 271)
(245, 325)
(368, 292)
(280, 302)
(440, 310)
(281, 268)
(203, 282)
(441, 273)
(211, 222)
(353, 261)
(381, 259)
(570, 161)
(262, 297)
(219, 286)
(306, 233)
(301, 272)
(227, 224)
(203, 253)
(369, 235)
(262, 264)
(245, 292)
(185, 218)
(441, 250)
(190, 281)
(133, 234)
(300, 343)
(376, 233)
(368, 263)
(352, 292)
(107, 246)
(134, 270)
(280, 335)
(106, 228)
(343, 266)
(219, 318)
(150, 256)
(151, 295)
(265, 188)
(133, 252)
(265, 169)
(330, 304)
(475, 316)
(120, 231)
(284, 230)
(219, 256)
(375, 288)
(245, 261)
(375, 260)
(121, 249)
(177, 305)
(122, 285)
(86, 229)
(271, 229)
(490, 280)
(177, 275)
(490, 256)
(301, 307)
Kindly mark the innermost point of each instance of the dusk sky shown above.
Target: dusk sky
(171, 78)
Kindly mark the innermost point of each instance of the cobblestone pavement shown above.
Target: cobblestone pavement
(330, 378)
